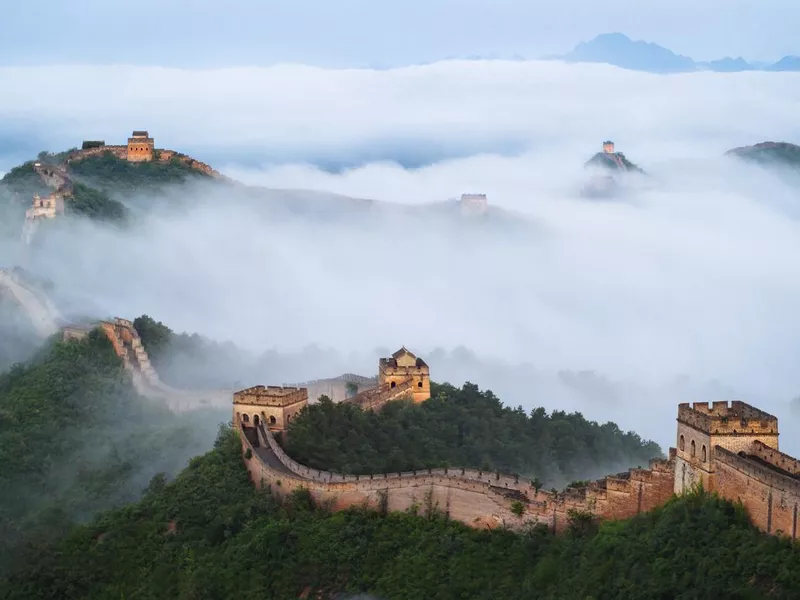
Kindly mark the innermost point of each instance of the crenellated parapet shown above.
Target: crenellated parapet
(476, 498)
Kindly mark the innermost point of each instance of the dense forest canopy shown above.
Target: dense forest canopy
(210, 534)
(112, 174)
(467, 428)
(75, 438)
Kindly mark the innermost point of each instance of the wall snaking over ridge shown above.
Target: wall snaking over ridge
(476, 498)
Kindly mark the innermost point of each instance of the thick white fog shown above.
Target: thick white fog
(686, 288)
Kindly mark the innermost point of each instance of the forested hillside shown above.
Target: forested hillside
(115, 175)
(75, 438)
(468, 428)
(103, 187)
(770, 154)
(210, 534)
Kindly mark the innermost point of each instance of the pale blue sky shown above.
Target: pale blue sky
(378, 32)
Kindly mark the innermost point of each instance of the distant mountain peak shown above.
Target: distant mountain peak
(618, 49)
(637, 55)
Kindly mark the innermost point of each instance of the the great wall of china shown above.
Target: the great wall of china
(731, 449)
(140, 148)
(128, 346)
(476, 498)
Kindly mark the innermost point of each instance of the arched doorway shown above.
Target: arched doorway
(256, 420)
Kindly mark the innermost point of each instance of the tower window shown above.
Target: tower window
(419, 384)
(694, 449)
(703, 453)
(682, 444)
(246, 418)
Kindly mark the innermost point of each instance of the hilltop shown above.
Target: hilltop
(769, 154)
(110, 182)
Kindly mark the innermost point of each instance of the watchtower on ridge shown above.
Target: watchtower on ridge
(140, 147)
(278, 405)
(703, 427)
(403, 366)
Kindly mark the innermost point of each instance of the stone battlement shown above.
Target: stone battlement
(376, 397)
(758, 470)
(477, 498)
(271, 395)
(778, 459)
(723, 418)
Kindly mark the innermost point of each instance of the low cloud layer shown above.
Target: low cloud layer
(693, 275)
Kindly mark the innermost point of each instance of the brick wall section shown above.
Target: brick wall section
(375, 398)
(721, 418)
(770, 497)
(770, 455)
(474, 497)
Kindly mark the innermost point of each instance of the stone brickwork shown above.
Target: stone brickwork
(375, 398)
(476, 498)
(732, 449)
(770, 495)
(404, 367)
(275, 406)
(140, 147)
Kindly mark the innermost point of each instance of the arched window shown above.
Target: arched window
(246, 418)
(255, 420)
(419, 384)
(272, 420)
(682, 444)
(703, 453)
(394, 384)
(694, 449)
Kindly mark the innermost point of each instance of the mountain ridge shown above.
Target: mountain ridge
(637, 55)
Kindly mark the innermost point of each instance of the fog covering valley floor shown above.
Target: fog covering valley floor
(75, 439)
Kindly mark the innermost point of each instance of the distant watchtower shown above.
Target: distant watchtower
(273, 406)
(474, 204)
(47, 207)
(608, 147)
(403, 366)
(140, 147)
(702, 427)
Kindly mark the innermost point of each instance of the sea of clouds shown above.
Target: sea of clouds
(685, 289)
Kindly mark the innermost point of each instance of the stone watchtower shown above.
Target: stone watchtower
(403, 366)
(701, 428)
(608, 147)
(140, 147)
(275, 406)
(474, 204)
